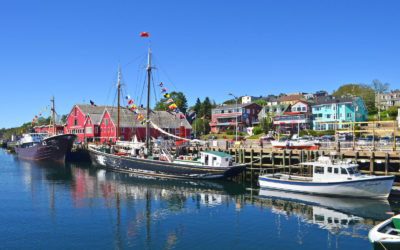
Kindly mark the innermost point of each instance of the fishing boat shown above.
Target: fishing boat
(386, 235)
(151, 158)
(45, 146)
(295, 144)
(329, 177)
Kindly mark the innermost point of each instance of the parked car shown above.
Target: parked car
(238, 139)
(326, 138)
(371, 138)
(386, 139)
(265, 139)
(345, 137)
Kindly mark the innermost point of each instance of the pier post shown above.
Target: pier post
(251, 163)
(290, 158)
(273, 158)
(236, 156)
(371, 163)
(356, 154)
(386, 162)
(301, 156)
(284, 158)
(261, 154)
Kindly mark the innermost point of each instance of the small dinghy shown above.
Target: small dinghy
(386, 235)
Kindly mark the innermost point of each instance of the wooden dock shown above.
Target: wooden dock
(257, 159)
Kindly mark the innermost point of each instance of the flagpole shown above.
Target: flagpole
(148, 98)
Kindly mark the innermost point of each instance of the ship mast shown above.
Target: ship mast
(53, 117)
(148, 68)
(118, 87)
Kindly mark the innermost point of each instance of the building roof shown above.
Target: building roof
(292, 97)
(163, 119)
(331, 100)
(96, 118)
(239, 105)
(220, 154)
(91, 109)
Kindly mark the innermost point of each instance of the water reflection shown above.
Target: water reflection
(334, 214)
(148, 212)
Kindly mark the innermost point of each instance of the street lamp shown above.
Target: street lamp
(236, 115)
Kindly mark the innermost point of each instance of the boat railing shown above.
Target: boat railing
(287, 170)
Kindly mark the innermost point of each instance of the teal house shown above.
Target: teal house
(337, 110)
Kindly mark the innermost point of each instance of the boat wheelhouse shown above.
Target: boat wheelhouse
(327, 177)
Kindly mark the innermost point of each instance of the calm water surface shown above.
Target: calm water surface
(53, 206)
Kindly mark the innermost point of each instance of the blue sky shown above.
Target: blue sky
(71, 49)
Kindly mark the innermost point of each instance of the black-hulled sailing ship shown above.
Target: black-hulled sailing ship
(155, 159)
(45, 146)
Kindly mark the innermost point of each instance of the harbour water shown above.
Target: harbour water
(75, 205)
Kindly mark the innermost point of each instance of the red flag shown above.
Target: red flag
(144, 34)
(130, 102)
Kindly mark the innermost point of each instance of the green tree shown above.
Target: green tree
(265, 124)
(379, 89)
(197, 106)
(257, 130)
(260, 102)
(205, 109)
(179, 99)
(362, 90)
(201, 126)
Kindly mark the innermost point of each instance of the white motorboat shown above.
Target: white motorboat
(295, 144)
(331, 178)
(386, 235)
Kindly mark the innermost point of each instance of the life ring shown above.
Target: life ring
(44, 143)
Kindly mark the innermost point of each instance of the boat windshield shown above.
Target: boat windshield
(350, 170)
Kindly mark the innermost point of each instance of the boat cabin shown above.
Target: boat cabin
(326, 170)
(31, 139)
(216, 159)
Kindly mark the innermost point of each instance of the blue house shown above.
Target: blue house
(337, 110)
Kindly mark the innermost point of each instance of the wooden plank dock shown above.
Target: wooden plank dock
(257, 159)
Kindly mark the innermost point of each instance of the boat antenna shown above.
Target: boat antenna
(148, 68)
(118, 88)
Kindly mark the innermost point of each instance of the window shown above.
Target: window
(328, 116)
(343, 171)
(248, 111)
(303, 109)
(336, 170)
(318, 170)
(75, 122)
(330, 170)
(75, 111)
(106, 122)
(222, 111)
(349, 115)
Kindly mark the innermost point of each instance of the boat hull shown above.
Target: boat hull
(160, 168)
(54, 148)
(375, 188)
(381, 240)
(294, 145)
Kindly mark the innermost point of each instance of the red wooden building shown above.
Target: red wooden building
(84, 121)
(46, 128)
(224, 117)
(298, 118)
(98, 123)
(130, 126)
